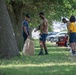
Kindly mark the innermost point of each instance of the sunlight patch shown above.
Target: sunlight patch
(39, 65)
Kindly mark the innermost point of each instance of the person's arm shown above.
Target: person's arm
(25, 30)
(28, 36)
(37, 28)
(68, 26)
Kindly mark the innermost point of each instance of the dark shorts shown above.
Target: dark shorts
(72, 37)
(43, 37)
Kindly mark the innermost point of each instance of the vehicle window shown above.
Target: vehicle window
(62, 33)
(54, 33)
(50, 33)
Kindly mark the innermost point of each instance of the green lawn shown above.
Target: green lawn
(57, 62)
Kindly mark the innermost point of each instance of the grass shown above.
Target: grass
(57, 62)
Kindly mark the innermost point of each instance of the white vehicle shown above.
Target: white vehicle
(54, 38)
(51, 34)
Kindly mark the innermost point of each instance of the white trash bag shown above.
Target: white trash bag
(28, 48)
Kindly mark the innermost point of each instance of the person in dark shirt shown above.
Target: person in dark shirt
(25, 27)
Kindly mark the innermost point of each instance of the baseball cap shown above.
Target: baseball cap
(41, 13)
(27, 15)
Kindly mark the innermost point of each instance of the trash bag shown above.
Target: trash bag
(28, 48)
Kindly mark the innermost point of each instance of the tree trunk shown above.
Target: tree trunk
(8, 46)
(17, 20)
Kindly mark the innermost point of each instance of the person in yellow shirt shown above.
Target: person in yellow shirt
(72, 34)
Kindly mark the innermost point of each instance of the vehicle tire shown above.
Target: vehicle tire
(51, 39)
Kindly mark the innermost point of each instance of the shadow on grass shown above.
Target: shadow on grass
(57, 55)
(35, 59)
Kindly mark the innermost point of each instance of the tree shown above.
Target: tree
(8, 46)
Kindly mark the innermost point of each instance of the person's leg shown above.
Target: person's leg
(45, 47)
(41, 44)
(44, 43)
(75, 46)
(72, 47)
(75, 42)
(72, 43)
(41, 48)
(25, 37)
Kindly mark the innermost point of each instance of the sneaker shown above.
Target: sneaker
(73, 52)
(40, 53)
(46, 53)
(70, 51)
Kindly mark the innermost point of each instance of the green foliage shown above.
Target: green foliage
(49, 5)
(53, 9)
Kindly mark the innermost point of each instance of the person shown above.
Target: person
(25, 27)
(64, 20)
(43, 27)
(72, 34)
